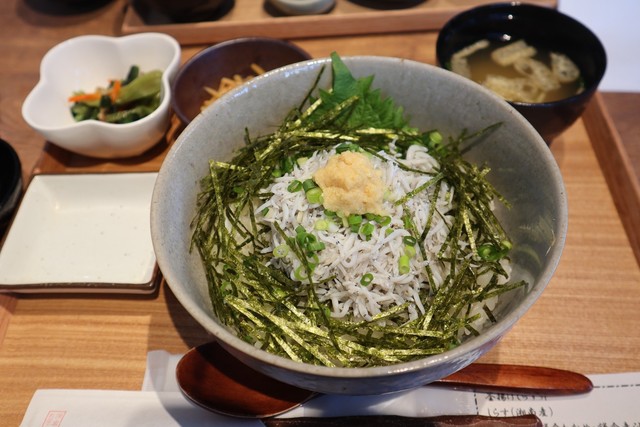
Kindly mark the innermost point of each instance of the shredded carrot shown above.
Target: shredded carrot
(81, 97)
(115, 90)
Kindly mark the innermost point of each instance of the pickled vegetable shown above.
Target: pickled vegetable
(122, 101)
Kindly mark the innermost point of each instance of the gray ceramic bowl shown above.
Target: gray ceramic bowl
(523, 169)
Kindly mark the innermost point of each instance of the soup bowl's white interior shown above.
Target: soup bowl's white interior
(86, 62)
(523, 170)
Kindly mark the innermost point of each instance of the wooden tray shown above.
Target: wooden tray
(620, 174)
(586, 319)
(348, 17)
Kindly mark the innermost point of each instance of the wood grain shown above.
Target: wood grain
(622, 109)
(620, 165)
(500, 378)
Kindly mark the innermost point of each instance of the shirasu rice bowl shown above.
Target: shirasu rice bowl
(398, 265)
(520, 166)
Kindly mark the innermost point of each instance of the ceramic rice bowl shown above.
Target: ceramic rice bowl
(522, 169)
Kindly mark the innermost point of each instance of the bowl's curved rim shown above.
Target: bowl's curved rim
(167, 77)
(490, 335)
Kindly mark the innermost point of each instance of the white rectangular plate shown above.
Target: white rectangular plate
(81, 233)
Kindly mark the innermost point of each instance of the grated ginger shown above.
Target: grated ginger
(351, 185)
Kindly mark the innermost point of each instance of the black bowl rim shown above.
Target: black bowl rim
(12, 159)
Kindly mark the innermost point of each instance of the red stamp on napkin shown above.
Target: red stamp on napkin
(54, 418)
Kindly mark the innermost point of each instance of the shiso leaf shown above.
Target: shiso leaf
(373, 111)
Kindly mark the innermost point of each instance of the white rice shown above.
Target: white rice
(348, 256)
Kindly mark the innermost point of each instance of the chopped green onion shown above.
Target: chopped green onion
(313, 257)
(409, 240)
(329, 214)
(305, 238)
(281, 251)
(300, 273)
(347, 147)
(295, 186)
(489, 252)
(435, 137)
(321, 225)
(410, 251)
(367, 229)
(265, 211)
(314, 196)
(315, 246)
(406, 222)
(366, 279)
(354, 219)
(308, 184)
(308, 241)
(403, 264)
(287, 164)
(385, 220)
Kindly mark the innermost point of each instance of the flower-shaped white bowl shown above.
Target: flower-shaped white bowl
(86, 62)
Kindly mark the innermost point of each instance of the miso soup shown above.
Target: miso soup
(519, 72)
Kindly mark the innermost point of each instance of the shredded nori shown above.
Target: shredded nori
(265, 307)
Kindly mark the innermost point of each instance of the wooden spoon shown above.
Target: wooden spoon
(212, 378)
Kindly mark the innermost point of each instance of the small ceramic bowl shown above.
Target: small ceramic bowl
(87, 62)
(225, 59)
(538, 26)
(10, 182)
(522, 169)
(303, 7)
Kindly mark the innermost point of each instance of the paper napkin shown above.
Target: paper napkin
(614, 401)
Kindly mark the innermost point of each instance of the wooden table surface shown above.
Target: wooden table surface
(587, 319)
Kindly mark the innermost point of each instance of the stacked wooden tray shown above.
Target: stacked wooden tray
(254, 18)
